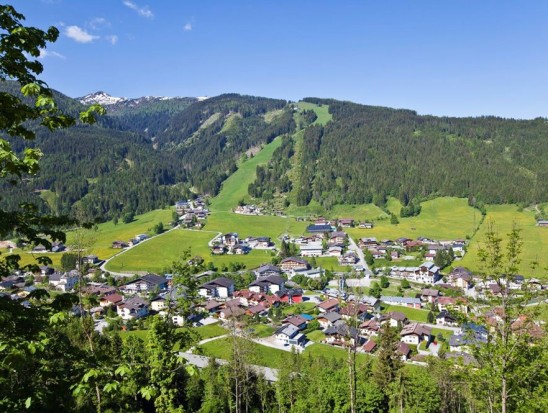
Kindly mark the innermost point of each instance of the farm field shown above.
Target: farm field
(321, 111)
(441, 218)
(535, 239)
(104, 235)
(360, 212)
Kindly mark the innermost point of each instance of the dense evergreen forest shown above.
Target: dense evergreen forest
(152, 152)
(142, 157)
(367, 153)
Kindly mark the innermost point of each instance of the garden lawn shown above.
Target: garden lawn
(261, 330)
(413, 314)
(316, 336)
(204, 332)
(445, 333)
(535, 239)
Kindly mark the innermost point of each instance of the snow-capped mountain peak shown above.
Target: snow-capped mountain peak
(102, 98)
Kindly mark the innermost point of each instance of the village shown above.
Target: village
(435, 313)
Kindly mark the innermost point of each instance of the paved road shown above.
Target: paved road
(358, 251)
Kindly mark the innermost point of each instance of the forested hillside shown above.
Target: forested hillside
(143, 156)
(367, 153)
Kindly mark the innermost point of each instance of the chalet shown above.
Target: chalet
(119, 244)
(370, 327)
(335, 251)
(39, 248)
(158, 303)
(322, 221)
(258, 309)
(414, 333)
(337, 238)
(429, 295)
(231, 311)
(458, 248)
(377, 254)
(311, 250)
(291, 296)
(402, 241)
(460, 277)
(231, 239)
(267, 270)
(240, 249)
(394, 255)
(349, 258)
(111, 299)
(290, 335)
(314, 229)
(146, 284)
(330, 305)
(219, 287)
(311, 273)
(218, 249)
(328, 319)
(264, 242)
(366, 225)
(404, 351)
(428, 273)
(367, 243)
(369, 347)
(446, 303)
(213, 306)
(293, 263)
(134, 241)
(372, 304)
(297, 321)
(65, 281)
(434, 248)
(346, 222)
(402, 301)
(394, 318)
(444, 318)
(270, 284)
(413, 245)
(134, 307)
(353, 310)
(542, 223)
(342, 335)
(91, 259)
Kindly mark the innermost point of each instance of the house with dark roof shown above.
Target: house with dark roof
(219, 287)
(266, 270)
(329, 305)
(394, 318)
(290, 335)
(292, 263)
(430, 295)
(326, 320)
(319, 229)
(414, 333)
(270, 284)
(297, 321)
(343, 335)
(444, 318)
(132, 308)
(146, 284)
(290, 296)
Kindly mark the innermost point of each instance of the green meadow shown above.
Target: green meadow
(535, 239)
(441, 218)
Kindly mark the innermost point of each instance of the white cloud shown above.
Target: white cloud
(141, 11)
(45, 53)
(80, 35)
(99, 23)
(113, 39)
(187, 27)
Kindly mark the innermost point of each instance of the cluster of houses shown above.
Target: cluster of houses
(132, 242)
(248, 210)
(341, 223)
(231, 243)
(380, 249)
(192, 212)
(55, 247)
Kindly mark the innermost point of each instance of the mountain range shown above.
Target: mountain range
(149, 152)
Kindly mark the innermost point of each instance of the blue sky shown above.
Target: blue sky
(457, 58)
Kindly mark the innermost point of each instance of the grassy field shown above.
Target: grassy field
(105, 234)
(413, 314)
(235, 187)
(535, 239)
(204, 332)
(321, 111)
(361, 212)
(261, 355)
(441, 218)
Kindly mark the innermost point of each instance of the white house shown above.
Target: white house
(133, 308)
(219, 287)
(270, 284)
(414, 333)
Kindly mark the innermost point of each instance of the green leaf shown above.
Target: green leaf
(28, 402)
